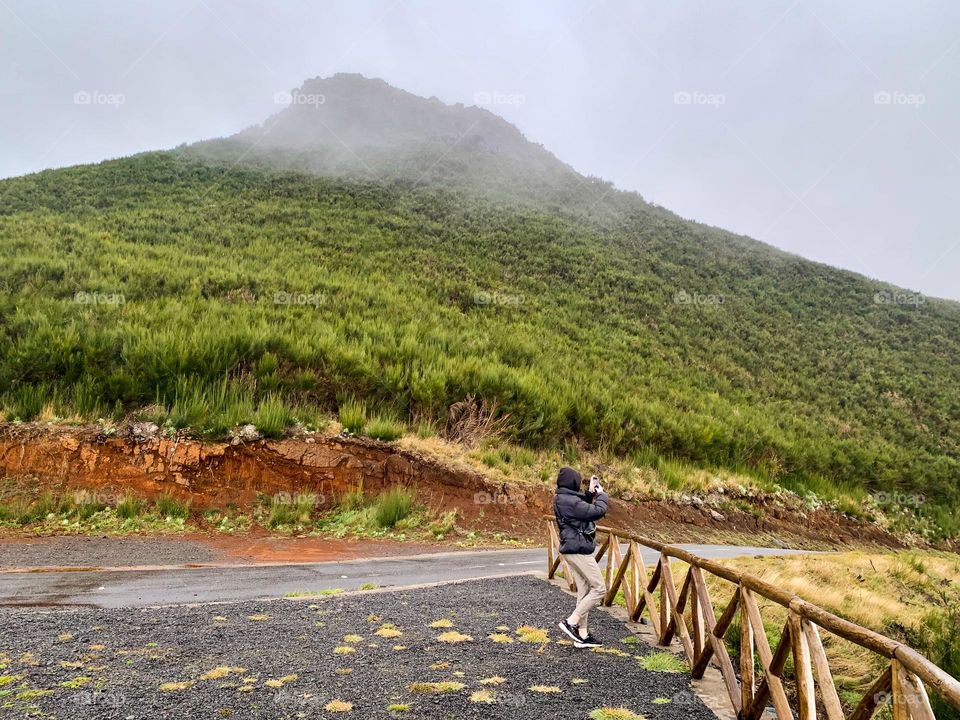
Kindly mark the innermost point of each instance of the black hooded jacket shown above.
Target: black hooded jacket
(577, 513)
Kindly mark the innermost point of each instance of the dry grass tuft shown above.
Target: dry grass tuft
(176, 686)
(442, 623)
(531, 634)
(452, 636)
(500, 638)
(338, 706)
(218, 673)
(388, 630)
(481, 696)
(495, 680)
(435, 688)
(344, 650)
(544, 689)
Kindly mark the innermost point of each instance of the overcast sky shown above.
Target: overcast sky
(829, 129)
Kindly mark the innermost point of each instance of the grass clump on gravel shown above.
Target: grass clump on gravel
(338, 706)
(663, 662)
(481, 696)
(611, 713)
(501, 638)
(388, 630)
(176, 686)
(344, 650)
(452, 636)
(218, 673)
(495, 680)
(436, 688)
(441, 623)
(398, 707)
(546, 689)
(531, 634)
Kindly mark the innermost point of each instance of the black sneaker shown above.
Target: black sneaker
(571, 631)
(588, 642)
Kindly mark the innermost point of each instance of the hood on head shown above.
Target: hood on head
(569, 478)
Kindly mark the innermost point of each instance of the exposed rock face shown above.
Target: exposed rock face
(212, 474)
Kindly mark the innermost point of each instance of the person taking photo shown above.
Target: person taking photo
(577, 512)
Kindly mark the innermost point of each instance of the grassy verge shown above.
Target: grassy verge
(394, 514)
(910, 596)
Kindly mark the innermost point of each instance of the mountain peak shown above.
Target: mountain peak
(351, 125)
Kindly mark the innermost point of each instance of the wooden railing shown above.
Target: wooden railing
(689, 615)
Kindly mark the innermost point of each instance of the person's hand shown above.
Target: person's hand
(595, 486)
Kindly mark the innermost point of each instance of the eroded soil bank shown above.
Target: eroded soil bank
(215, 474)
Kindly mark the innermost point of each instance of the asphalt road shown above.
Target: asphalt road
(146, 588)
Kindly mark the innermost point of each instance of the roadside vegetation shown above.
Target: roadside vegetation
(208, 299)
(394, 514)
(910, 596)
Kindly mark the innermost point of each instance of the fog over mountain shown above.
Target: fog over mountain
(827, 130)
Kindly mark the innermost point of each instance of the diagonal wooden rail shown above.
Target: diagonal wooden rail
(688, 615)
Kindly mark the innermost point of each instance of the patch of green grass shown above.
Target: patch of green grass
(353, 416)
(314, 593)
(393, 506)
(383, 427)
(77, 682)
(663, 662)
(273, 415)
(169, 506)
(369, 586)
(398, 707)
(290, 510)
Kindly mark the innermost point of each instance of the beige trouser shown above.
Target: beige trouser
(590, 586)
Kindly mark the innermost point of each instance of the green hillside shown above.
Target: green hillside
(223, 287)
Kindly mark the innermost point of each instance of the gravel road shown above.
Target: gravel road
(112, 663)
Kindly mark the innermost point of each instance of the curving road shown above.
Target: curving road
(140, 587)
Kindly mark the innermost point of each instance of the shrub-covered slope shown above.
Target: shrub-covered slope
(230, 291)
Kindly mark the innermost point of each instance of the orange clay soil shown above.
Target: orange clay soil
(215, 474)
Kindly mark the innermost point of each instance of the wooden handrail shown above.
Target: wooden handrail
(903, 678)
